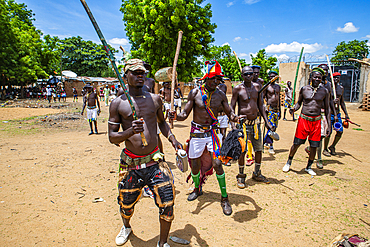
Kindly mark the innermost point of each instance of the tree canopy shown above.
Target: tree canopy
(85, 58)
(353, 49)
(152, 28)
(223, 54)
(266, 63)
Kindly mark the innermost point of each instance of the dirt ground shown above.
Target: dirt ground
(51, 171)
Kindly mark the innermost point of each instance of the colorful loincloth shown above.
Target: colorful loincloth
(273, 118)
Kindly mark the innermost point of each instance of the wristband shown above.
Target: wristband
(170, 136)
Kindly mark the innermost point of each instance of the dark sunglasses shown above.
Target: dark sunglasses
(138, 72)
(248, 73)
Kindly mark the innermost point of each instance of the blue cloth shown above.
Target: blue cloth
(339, 120)
(273, 118)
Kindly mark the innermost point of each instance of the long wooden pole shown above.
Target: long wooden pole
(174, 73)
(296, 76)
(112, 60)
(331, 76)
(237, 59)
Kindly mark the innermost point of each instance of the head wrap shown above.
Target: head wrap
(336, 74)
(134, 64)
(273, 72)
(255, 67)
(320, 70)
(212, 68)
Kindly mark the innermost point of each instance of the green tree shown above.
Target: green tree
(353, 49)
(266, 63)
(85, 57)
(20, 42)
(152, 28)
(223, 54)
(49, 53)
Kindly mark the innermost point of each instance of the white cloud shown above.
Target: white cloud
(367, 36)
(237, 39)
(227, 43)
(247, 56)
(281, 57)
(348, 28)
(118, 41)
(251, 1)
(230, 4)
(246, 39)
(293, 47)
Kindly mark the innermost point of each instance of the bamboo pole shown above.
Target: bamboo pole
(112, 60)
(296, 76)
(331, 77)
(237, 59)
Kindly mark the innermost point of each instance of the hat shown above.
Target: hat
(336, 74)
(88, 85)
(134, 64)
(320, 70)
(273, 72)
(212, 68)
(255, 67)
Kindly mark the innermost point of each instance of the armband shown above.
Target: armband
(113, 123)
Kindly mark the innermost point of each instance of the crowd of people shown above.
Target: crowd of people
(142, 162)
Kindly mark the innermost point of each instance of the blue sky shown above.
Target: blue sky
(281, 26)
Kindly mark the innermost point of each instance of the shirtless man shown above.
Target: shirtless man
(324, 127)
(272, 97)
(91, 98)
(339, 101)
(165, 94)
(223, 120)
(141, 165)
(177, 97)
(256, 74)
(205, 102)
(288, 99)
(314, 97)
(249, 104)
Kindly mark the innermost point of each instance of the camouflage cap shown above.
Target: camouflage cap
(134, 64)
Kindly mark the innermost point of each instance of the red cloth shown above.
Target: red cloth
(135, 156)
(305, 128)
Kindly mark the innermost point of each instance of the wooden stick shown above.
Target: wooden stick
(122, 49)
(331, 76)
(174, 73)
(359, 61)
(237, 59)
(112, 60)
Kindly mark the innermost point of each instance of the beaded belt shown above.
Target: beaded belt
(309, 118)
(203, 135)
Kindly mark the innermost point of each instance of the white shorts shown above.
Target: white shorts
(223, 121)
(91, 114)
(167, 106)
(177, 102)
(197, 145)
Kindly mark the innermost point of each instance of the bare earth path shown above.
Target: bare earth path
(51, 171)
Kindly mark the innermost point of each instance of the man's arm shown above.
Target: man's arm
(327, 111)
(343, 106)
(227, 109)
(234, 99)
(97, 101)
(165, 128)
(279, 103)
(298, 104)
(263, 113)
(188, 107)
(114, 123)
(84, 105)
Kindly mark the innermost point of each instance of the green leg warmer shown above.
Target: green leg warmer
(196, 179)
(222, 183)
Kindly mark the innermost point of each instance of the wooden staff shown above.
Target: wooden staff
(112, 60)
(174, 74)
(237, 59)
(331, 76)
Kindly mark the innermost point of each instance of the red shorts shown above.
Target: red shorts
(309, 126)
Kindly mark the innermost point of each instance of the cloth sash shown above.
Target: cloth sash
(206, 97)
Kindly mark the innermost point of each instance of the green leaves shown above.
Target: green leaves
(266, 63)
(152, 28)
(353, 49)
